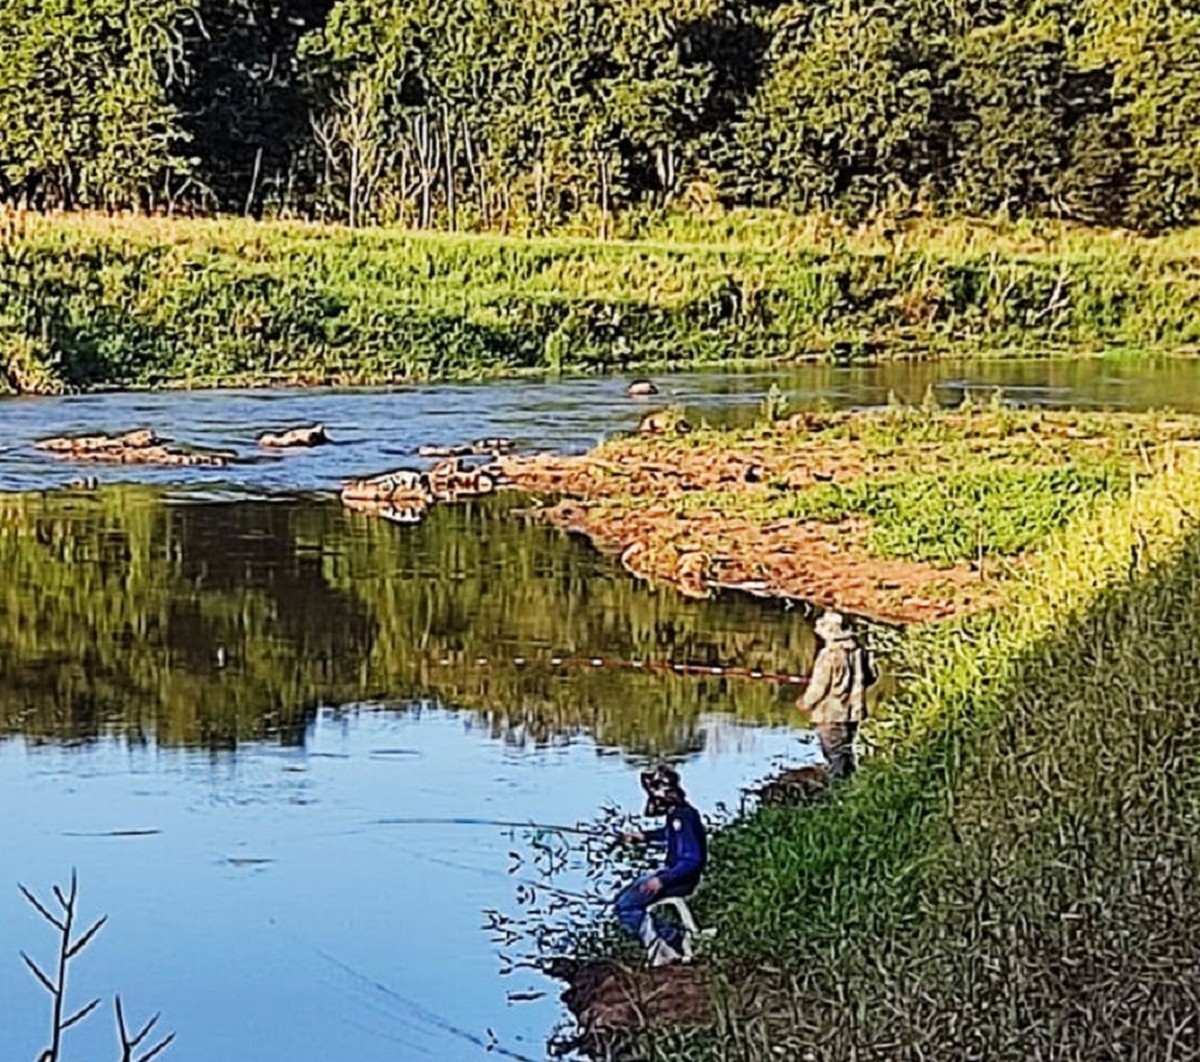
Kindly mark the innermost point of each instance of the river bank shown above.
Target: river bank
(90, 302)
(1020, 843)
(903, 515)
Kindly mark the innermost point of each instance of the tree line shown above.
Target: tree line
(473, 114)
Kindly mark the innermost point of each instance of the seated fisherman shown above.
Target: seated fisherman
(683, 834)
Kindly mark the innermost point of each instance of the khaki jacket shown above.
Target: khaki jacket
(837, 689)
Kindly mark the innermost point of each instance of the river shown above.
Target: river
(219, 690)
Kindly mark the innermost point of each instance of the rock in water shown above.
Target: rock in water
(404, 483)
(312, 435)
(140, 447)
(663, 422)
(641, 388)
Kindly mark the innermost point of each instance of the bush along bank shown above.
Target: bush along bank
(88, 302)
(1013, 874)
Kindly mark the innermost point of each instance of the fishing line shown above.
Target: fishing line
(490, 1045)
(492, 872)
(662, 666)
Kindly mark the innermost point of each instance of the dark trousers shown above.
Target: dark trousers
(837, 742)
(631, 911)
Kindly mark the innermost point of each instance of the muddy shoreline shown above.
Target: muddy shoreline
(626, 501)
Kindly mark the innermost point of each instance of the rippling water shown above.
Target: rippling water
(374, 430)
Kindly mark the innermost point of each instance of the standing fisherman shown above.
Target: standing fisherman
(682, 832)
(837, 691)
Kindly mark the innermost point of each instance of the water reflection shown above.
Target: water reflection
(132, 613)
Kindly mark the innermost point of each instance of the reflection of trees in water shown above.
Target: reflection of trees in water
(207, 624)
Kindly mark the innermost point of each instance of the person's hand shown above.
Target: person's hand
(651, 887)
(633, 836)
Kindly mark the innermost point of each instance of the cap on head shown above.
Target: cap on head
(832, 625)
(663, 790)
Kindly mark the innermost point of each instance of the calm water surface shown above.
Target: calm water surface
(228, 659)
(260, 683)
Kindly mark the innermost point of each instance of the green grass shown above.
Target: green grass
(1013, 874)
(89, 301)
(991, 511)
(920, 484)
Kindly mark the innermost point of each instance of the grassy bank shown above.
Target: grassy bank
(88, 302)
(1014, 874)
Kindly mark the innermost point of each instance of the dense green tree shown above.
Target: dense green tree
(551, 107)
(243, 102)
(1008, 139)
(1152, 48)
(85, 118)
(489, 113)
(844, 112)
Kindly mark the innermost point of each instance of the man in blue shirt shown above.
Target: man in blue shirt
(682, 832)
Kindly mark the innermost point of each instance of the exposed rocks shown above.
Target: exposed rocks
(633, 559)
(400, 484)
(630, 497)
(642, 388)
(479, 448)
(139, 447)
(693, 574)
(795, 786)
(311, 435)
(663, 422)
(405, 494)
(450, 479)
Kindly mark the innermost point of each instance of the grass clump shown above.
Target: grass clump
(961, 516)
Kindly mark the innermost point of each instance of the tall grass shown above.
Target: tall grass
(1014, 874)
(88, 301)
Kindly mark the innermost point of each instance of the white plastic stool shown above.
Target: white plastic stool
(691, 931)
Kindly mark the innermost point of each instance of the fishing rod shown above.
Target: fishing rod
(502, 823)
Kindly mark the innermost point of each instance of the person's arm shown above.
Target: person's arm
(691, 847)
(656, 836)
(870, 669)
(819, 682)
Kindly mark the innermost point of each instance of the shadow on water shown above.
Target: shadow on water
(209, 624)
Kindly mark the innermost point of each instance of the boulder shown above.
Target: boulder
(403, 483)
(312, 435)
(140, 447)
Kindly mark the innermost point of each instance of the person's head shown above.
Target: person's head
(832, 626)
(663, 790)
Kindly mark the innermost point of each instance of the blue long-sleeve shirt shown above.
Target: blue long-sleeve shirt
(682, 832)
